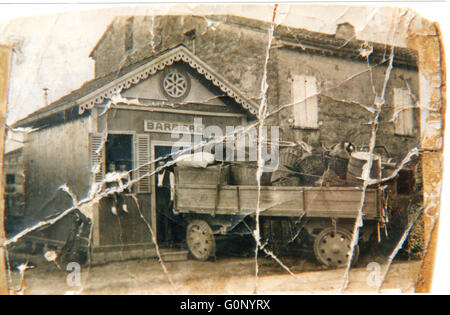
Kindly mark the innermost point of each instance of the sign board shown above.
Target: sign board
(172, 127)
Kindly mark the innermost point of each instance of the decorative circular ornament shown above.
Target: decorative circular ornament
(175, 84)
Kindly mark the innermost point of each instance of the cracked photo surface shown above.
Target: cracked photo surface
(221, 149)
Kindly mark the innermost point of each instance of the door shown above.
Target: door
(168, 225)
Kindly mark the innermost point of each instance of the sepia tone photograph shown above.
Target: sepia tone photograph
(221, 149)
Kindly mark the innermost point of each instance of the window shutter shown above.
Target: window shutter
(142, 163)
(403, 108)
(97, 155)
(304, 99)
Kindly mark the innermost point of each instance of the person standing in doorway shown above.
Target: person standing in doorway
(164, 201)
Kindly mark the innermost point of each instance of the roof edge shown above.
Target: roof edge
(179, 53)
(109, 89)
(92, 52)
(281, 30)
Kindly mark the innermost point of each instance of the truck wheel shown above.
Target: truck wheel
(332, 247)
(200, 240)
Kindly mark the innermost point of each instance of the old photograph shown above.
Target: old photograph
(222, 149)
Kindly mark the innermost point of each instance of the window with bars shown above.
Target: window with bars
(304, 99)
(403, 112)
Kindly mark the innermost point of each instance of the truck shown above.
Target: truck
(320, 218)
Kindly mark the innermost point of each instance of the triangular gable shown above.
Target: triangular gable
(190, 89)
(179, 53)
(97, 90)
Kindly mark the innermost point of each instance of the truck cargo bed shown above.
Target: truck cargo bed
(330, 202)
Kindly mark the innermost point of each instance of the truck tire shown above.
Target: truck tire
(200, 240)
(332, 247)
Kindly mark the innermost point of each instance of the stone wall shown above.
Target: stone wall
(343, 99)
(237, 51)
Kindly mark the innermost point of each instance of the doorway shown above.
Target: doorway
(170, 227)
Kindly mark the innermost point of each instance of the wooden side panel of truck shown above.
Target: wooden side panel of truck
(319, 202)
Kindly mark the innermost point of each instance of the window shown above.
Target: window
(10, 179)
(97, 156)
(117, 153)
(304, 99)
(403, 113)
(119, 150)
(143, 163)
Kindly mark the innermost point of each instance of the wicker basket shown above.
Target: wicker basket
(311, 168)
(337, 164)
(245, 174)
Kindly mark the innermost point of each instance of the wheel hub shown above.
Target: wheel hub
(332, 247)
(200, 239)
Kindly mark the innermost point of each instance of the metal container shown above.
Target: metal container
(357, 162)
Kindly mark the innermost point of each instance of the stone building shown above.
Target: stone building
(14, 188)
(321, 91)
(347, 73)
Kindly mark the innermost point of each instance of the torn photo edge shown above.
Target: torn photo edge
(428, 44)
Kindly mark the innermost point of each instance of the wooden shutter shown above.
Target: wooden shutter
(403, 109)
(97, 155)
(304, 99)
(143, 157)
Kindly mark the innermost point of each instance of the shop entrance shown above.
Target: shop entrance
(170, 228)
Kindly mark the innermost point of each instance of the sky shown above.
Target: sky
(55, 47)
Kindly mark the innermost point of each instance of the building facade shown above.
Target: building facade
(346, 73)
(154, 74)
(14, 188)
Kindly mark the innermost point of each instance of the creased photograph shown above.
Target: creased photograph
(221, 149)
